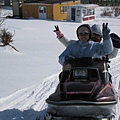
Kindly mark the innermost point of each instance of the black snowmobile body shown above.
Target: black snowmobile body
(85, 90)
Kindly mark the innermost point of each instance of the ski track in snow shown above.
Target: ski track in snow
(31, 98)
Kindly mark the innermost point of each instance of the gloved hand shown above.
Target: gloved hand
(58, 32)
(105, 31)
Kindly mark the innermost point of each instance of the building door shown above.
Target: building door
(42, 12)
(16, 8)
(73, 14)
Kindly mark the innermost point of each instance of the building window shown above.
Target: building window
(90, 12)
(42, 9)
(87, 12)
(63, 9)
(78, 12)
(84, 12)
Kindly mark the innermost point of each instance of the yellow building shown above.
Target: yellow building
(48, 9)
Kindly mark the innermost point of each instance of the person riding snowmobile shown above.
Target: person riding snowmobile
(85, 47)
(84, 90)
(96, 37)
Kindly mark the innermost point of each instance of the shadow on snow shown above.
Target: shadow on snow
(15, 114)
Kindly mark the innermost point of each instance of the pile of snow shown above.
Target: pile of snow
(7, 11)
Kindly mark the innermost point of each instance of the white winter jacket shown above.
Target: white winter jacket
(88, 49)
(66, 42)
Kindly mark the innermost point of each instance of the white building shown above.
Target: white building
(81, 12)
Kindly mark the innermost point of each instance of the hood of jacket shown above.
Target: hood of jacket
(88, 27)
(96, 29)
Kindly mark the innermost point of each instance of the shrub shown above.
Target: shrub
(117, 11)
(6, 37)
(111, 11)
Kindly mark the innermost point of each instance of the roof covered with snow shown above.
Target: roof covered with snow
(88, 6)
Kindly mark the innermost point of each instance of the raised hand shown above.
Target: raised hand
(105, 31)
(58, 32)
(56, 28)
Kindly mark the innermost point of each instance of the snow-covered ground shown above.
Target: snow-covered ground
(29, 77)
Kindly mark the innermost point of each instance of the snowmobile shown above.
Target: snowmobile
(85, 92)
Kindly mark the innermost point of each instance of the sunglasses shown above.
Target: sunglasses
(84, 34)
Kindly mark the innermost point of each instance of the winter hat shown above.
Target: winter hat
(84, 27)
(96, 29)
